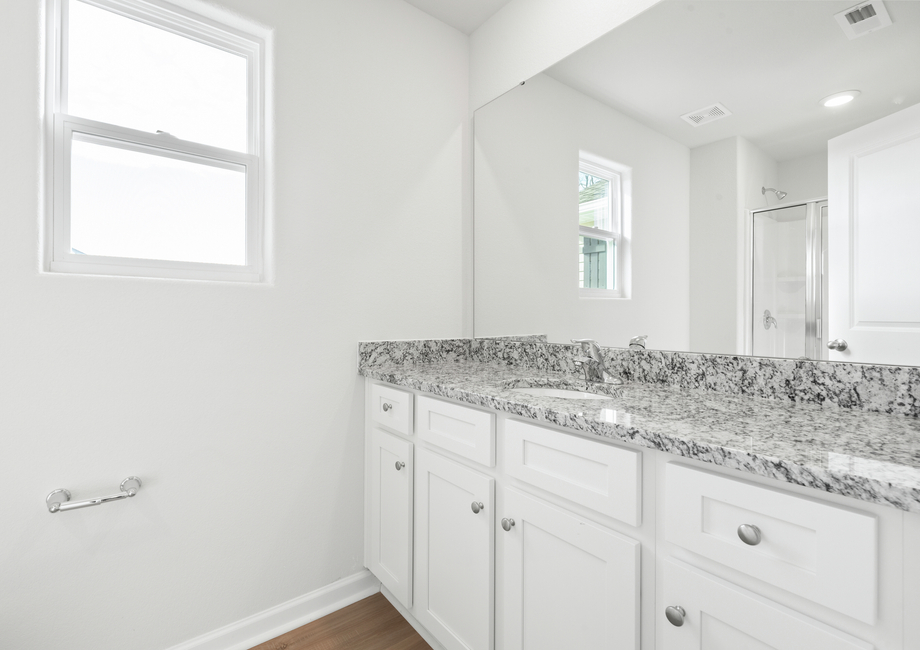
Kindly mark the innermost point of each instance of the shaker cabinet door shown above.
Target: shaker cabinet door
(454, 552)
(568, 583)
(390, 494)
(716, 615)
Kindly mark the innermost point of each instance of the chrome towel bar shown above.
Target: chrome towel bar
(60, 498)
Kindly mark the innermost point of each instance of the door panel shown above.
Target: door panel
(874, 268)
(391, 471)
(568, 583)
(454, 561)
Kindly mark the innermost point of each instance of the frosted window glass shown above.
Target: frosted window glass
(138, 205)
(125, 72)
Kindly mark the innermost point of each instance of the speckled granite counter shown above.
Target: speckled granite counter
(857, 453)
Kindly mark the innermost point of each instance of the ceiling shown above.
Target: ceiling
(768, 62)
(465, 15)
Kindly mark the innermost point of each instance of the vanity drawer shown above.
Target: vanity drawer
(822, 552)
(459, 429)
(599, 476)
(392, 408)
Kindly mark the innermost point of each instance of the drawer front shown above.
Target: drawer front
(720, 615)
(392, 408)
(821, 552)
(461, 430)
(602, 477)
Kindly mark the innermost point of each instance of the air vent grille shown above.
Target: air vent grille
(863, 18)
(859, 15)
(706, 115)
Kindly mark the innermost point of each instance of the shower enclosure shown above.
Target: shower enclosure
(789, 291)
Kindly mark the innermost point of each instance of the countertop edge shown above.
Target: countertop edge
(841, 483)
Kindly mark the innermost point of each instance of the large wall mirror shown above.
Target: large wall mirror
(682, 178)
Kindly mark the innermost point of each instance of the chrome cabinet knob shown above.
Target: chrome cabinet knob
(507, 524)
(476, 507)
(837, 344)
(675, 615)
(399, 465)
(387, 406)
(749, 534)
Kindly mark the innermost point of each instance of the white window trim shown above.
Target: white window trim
(616, 212)
(60, 128)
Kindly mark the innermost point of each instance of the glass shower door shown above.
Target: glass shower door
(780, 278)
(790, 281)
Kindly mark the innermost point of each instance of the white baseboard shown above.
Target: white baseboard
(275, 621)
(411, 620)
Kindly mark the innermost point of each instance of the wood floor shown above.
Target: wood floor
(369, 624)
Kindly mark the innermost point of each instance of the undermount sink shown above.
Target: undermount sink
(564, 393)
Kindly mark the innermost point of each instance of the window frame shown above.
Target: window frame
(62, 128)
(615, 178)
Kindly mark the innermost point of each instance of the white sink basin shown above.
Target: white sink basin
(558, 392)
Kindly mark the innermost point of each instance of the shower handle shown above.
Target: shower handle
(768, 320)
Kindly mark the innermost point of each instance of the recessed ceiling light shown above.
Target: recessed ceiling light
(839, 99)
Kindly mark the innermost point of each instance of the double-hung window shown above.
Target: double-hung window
(157, 143)
(599, 230)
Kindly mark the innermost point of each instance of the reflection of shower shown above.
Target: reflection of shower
(779, 195)
(789, 274)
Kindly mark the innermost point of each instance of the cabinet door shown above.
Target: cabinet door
(454, 562)
(390, 479)
(568, 583)
(721, 616)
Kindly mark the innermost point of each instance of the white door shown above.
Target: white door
(717, 615)
(568, 583)
(391, 513)
(454, 575)
(874, 223)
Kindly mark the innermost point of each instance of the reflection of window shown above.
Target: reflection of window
(599, 229)
(157, 143)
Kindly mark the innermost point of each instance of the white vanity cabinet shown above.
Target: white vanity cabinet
(495, 533)
(564, 579)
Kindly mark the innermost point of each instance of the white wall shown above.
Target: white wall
(526, 37)
(726, 178)
(803, 178)
(237, 405)
(714, 222)
(526, 209)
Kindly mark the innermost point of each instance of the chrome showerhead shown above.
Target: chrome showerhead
(779, 195)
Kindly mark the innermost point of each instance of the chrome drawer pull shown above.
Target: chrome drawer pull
(387, 406)
(476, 507)
(59, 500)
(507, 524)
(675, 614)
(749, 534)
(399, 465)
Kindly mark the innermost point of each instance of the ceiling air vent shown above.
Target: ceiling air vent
(863, 18)
(705, 115)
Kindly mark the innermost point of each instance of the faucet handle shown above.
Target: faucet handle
(588, 346)
(638, 341)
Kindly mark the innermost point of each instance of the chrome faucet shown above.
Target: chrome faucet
(593, 364)
(637, 342)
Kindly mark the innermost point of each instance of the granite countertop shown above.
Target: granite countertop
(865, 455)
